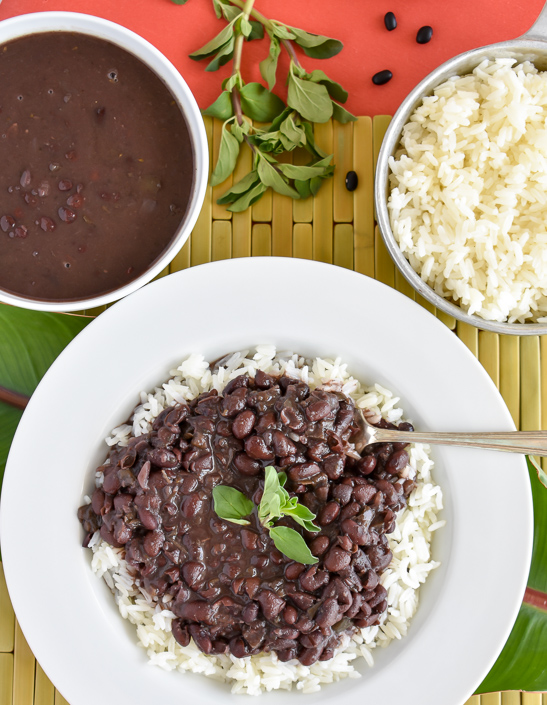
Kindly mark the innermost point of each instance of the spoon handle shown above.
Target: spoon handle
(531, 442)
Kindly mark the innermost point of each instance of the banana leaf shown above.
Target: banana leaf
(522, 664)
(29, 342)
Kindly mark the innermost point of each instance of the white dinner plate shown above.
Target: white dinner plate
(68, 616)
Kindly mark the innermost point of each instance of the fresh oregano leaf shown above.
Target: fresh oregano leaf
(227, 10)
(315, 45)
(270, 177)
(222, 107)
(258, 103)
(310, 141)
(268, 67)
(292, 545)
(293, 133)
(310, 99)
(335, 89)
(227, 157)
(341, 114)
(215, 44)
(303, 188)
(257, 31)
(245, 27)
(223, 56)
(239, 131)
(242, 186)
(179, 2)
(302, 515)
(248, 198)
(282, 31)
(301, 172)
(231, 504)
(282, 477)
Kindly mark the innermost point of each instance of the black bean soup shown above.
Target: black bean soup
(97, 166)
(229, 587)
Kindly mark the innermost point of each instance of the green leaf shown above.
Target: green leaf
(215, 44)
(237, 190)
(258, 103)
(223, 56)
(272, 499)
(303, 188)
(310, 99)
(231, 504)
(282, 31)
(282, 478)
(270, 177)
(301, 172)
(268, 67)
(29, 342)
(227, 157)
(222, 107)
(227, 10)
(335, 89)
(239, 131)
(292, 545)
(315, 45)
(247, 199)
(257, 31)
(179, 2)
(310, 141)
(245, 27)
(294, 133)
(302, 515)
(341, 114)
(521, 664)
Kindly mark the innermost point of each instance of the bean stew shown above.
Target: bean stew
(229, 587)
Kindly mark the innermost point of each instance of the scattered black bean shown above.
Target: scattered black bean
(390, 21)
(424, 34)
(351, 181)
(382, 77)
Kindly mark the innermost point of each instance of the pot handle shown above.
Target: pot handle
(539, 29)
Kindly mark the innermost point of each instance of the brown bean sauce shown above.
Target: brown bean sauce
(97, 166)
(229, 587)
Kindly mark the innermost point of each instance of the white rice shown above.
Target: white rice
(410, 542)
(468, 202)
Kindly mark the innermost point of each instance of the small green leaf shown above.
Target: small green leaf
(237, 190)
(315, 184)
(257, 31)
(315, 45)
(303, 188)
(301, 173)
(302, 515)
(232, 80)
(310, 99)
(341, 114)
(282, 477)
(227, 157)
(282, 31)
(223, 56)
(542, 475)
(268, 67)
(231, 504)
(222, 107)
(247, 199)
(258, 103)
(294, 133)
(179, 2)
(310, 141)
(270, 177)
(215, 44)
(239, 131)
(292, 545)
(227, 10)
(335, 89)
(245, 27)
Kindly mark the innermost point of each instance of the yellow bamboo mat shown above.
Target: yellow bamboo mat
(336, 227)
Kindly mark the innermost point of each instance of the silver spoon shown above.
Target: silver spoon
(531, 46)
(529, 442)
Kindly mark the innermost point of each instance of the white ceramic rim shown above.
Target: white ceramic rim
(133, 43)
(468, 605)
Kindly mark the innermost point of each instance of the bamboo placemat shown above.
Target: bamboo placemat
(336, 227)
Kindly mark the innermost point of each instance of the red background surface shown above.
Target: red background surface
(458, 25)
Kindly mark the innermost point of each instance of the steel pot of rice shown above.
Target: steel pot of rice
(461, 186)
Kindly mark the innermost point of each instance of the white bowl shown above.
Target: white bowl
(162, 67)
(68, 616)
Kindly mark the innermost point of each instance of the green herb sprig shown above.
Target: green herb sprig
(312, 98)
(232, 505)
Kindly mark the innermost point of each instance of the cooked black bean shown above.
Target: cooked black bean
(352, 181)
(229, 587)
(424, 34)
(390, 21)
(382, 77)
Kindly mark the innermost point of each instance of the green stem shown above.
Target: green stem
(268, 24)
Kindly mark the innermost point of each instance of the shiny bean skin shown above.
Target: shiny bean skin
(243, 424)
(328, 514)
